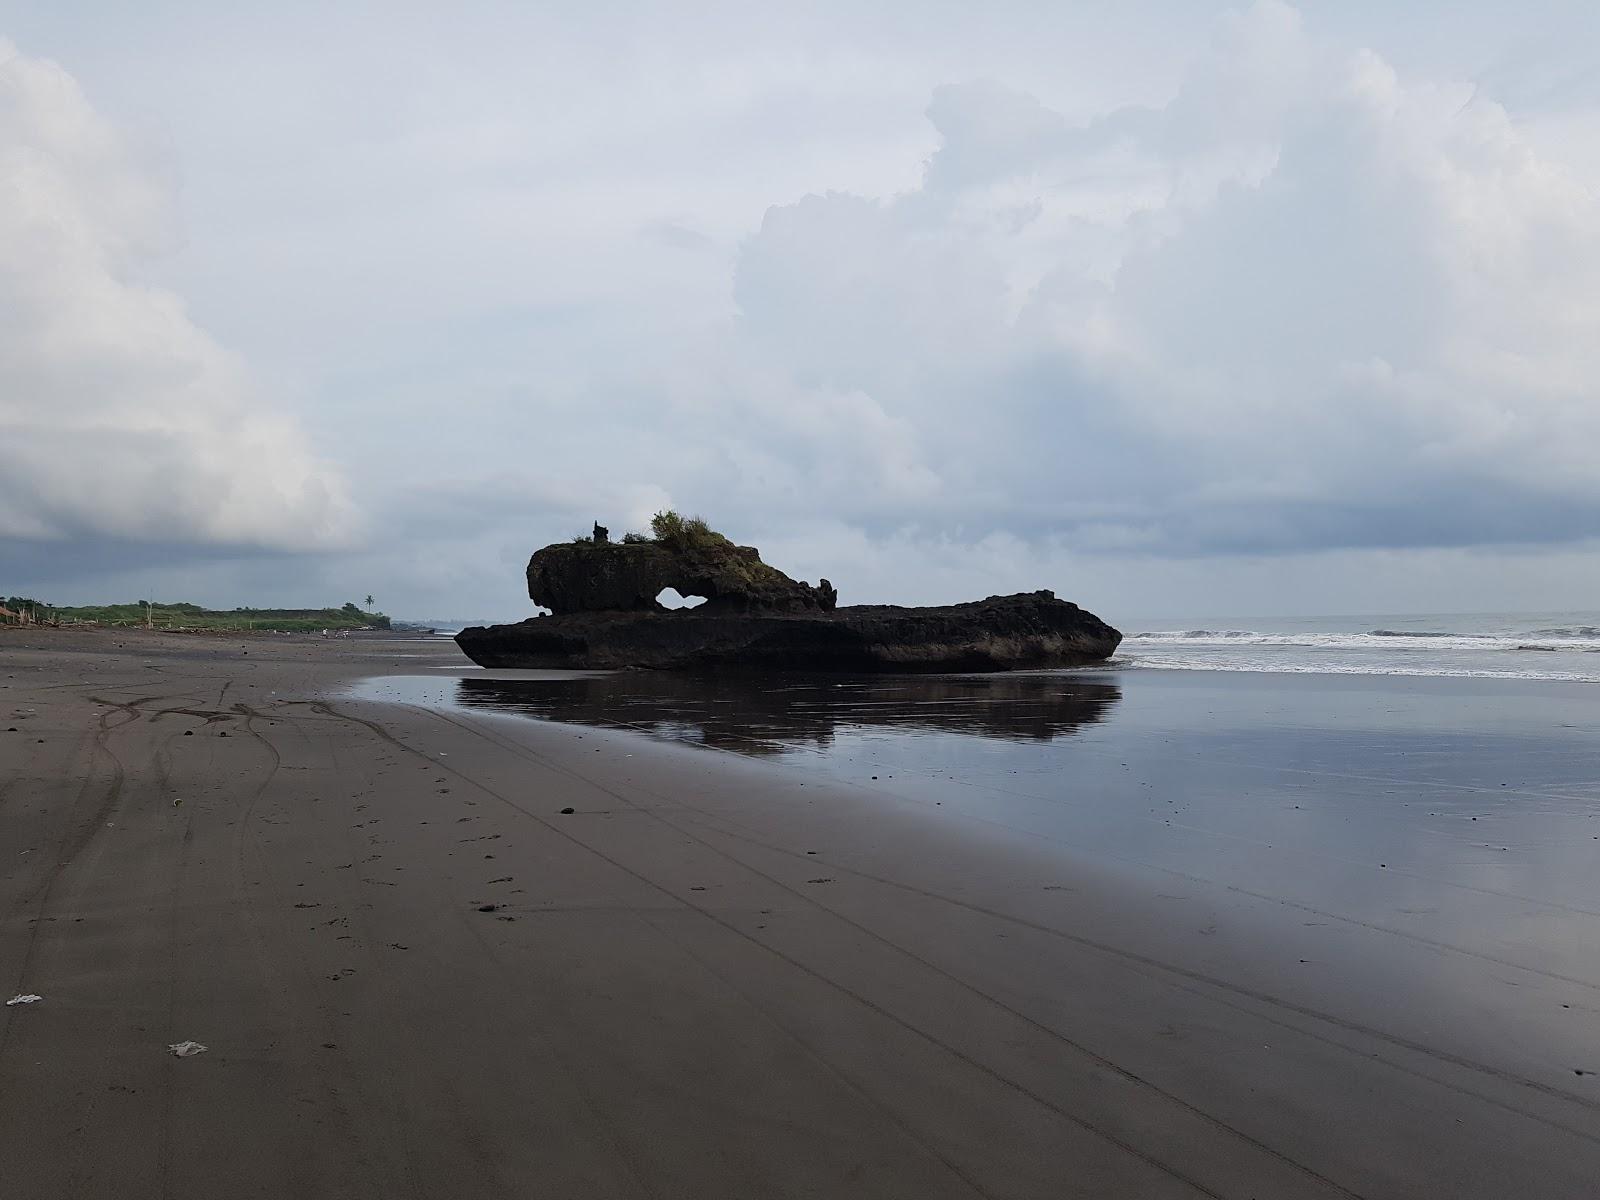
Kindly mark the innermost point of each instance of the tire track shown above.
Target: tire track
(350, 1127)
(76, 836)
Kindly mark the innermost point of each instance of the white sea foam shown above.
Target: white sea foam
(1509, 648)
(1285, 667)
(1421, 642)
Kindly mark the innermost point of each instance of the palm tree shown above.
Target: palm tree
(369, 600)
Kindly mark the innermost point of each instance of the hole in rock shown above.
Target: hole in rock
(669, 598)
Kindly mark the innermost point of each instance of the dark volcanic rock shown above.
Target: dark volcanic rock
(601, 576)
(603, 596)
(1030, 629)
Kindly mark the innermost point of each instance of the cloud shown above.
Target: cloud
(1306, 304)
(1033, 301)
(677, 236)
(120, 419)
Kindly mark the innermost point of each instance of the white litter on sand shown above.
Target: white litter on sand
(25, 998)
(187, 1049)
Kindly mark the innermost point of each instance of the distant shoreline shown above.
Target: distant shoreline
(22, 611)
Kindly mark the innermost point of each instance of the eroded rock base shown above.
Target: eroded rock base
(1026, 630)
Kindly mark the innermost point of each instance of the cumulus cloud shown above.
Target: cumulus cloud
(1310, 295)
(1305, 304)
(120, 419)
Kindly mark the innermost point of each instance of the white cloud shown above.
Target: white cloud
(1060, 307)
(1305, 304)
(119, 418)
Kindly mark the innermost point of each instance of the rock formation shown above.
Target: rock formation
(602, 576)
(602, 596)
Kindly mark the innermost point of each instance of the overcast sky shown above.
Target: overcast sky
(1176, 308)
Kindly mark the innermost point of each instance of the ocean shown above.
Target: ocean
(1554, 645)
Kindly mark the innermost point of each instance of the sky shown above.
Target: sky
(1169, 306)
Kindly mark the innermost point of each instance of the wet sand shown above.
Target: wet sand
(714, 977)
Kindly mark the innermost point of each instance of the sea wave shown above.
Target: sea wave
(1562, 632)
(1302, 667)
(1196, 634)
(1408, 642)
(1414, 633)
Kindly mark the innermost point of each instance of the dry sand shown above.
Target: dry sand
(714, 978)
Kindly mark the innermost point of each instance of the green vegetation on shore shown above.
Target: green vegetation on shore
(193, 616)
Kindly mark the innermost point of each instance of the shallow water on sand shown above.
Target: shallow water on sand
(1473, 783)
(1420, 845)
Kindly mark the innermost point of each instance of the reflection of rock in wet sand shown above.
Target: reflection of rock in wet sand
(770, 715)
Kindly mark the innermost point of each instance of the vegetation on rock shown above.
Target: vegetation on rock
(677, 532)
(593, 573)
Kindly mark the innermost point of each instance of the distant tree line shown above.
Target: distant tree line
(184, 615)
(25, 607)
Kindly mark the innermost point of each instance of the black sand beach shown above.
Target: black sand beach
(1173, 935)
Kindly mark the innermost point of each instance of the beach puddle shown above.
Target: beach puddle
(766, 716)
